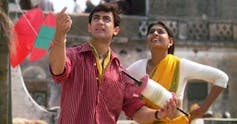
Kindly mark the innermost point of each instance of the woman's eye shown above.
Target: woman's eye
(152, 31)
(161, 32)
(157, 31)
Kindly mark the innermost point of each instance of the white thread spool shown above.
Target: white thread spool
(151, 90)
(156, 93)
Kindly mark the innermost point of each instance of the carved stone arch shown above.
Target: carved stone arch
(23, 105)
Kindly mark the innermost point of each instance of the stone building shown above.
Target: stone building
(205, 31)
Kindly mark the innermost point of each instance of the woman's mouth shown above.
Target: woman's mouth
(155, 40)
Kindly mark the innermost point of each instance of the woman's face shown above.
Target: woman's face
(158, 38)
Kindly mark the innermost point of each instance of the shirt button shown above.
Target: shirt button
(94, 64)
(97, 78)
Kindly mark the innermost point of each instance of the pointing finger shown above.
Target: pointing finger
(63, 10)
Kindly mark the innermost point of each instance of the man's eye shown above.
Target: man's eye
(96, 18)
(107, 19)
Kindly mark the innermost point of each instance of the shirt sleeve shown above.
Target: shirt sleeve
(132, 101)
(194, 70)
(67, 70)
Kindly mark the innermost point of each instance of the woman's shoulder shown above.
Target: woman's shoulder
(138, 68)
(140, 62)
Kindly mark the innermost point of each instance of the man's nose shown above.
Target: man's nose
(101, 20)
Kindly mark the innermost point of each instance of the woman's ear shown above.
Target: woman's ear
(171, 42)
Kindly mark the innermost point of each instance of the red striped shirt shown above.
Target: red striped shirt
(83, 100)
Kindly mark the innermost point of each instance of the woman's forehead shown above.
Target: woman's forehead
(157, 26)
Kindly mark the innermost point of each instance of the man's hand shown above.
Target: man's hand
(63, 25)
(170, 108)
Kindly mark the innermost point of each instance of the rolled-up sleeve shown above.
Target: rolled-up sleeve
(62, 77)
(132, 101)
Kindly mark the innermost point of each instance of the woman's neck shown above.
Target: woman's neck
(157, 56)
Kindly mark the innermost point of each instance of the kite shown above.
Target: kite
(33, 34)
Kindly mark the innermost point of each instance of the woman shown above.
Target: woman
(173, 72)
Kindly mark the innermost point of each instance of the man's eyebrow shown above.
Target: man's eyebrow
(96, 15)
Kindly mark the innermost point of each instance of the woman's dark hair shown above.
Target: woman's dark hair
(170, 34)
(107, 7)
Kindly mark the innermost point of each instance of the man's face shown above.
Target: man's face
(102, 25)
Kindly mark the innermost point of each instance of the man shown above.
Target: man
(94, 91)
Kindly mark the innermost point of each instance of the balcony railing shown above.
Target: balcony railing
(187, 31)
(216, 32)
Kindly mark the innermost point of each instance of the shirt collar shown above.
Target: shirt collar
(85, 47)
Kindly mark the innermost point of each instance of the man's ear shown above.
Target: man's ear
(116, 30)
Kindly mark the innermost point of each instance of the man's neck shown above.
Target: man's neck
(101, 47)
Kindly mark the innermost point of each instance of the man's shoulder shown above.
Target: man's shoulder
(79, 47)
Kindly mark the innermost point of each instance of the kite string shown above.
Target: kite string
(33, 29)
(27, 20)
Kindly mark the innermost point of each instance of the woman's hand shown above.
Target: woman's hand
(196, 113)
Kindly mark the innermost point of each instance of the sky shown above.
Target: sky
(60, 4)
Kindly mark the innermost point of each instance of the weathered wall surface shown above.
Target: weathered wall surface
(210, 9)
(206, 32)
(222, 58)
(131, 46)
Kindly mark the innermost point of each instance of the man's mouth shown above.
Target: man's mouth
(100, 30)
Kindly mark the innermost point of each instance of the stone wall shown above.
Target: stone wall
(206, 32)
(209, 9)
(131, 46)
(222, 58)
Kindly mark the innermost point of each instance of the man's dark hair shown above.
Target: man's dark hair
(170, 34)
(107, 7)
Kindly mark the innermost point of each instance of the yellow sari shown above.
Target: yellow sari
(167, 74)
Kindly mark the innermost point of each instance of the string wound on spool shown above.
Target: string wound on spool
(139, 83)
